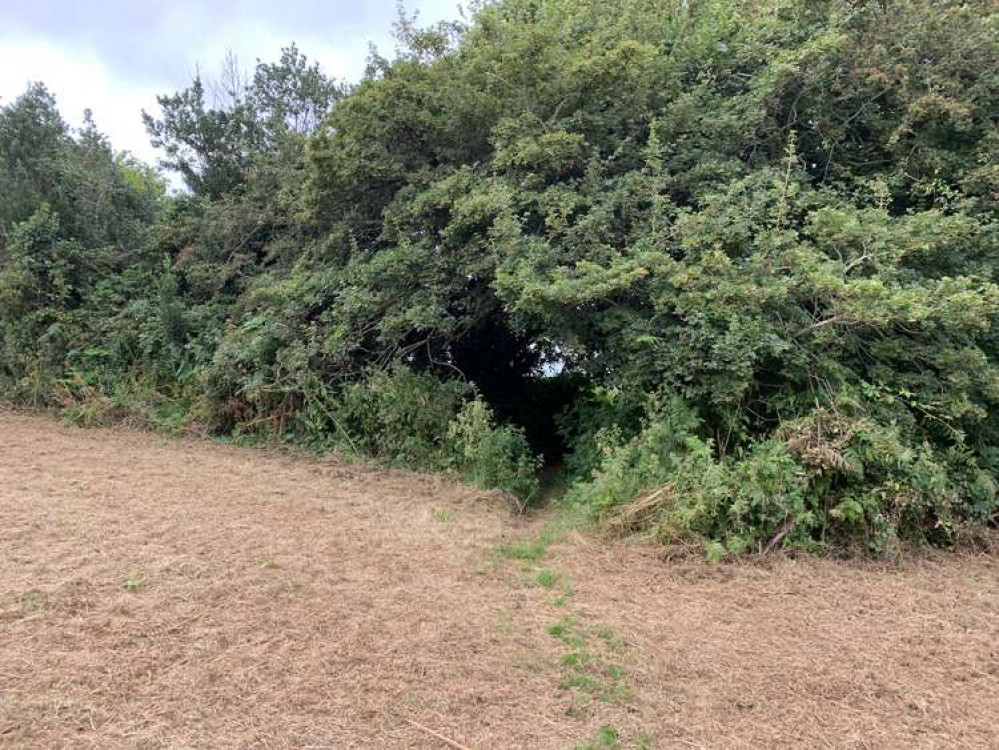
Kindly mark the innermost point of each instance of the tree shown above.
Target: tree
(215, 145)
(772, 211)
(32, 133)
(75, 220)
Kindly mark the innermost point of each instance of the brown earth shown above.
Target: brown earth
(173, 593)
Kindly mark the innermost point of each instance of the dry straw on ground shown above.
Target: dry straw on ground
(163, 593)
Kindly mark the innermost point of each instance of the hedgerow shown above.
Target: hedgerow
(730, 267)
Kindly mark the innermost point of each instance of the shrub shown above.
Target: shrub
(625, 468)
(489, 455)
(822, 480)
(402, 417)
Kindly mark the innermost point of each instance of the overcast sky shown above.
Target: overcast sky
(115, 56)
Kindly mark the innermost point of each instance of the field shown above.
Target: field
(177, 593)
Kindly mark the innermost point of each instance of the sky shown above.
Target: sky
(115, 56)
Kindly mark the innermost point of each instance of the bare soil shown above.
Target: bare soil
(174, 593)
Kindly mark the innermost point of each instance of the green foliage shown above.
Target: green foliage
(647, 460)
(608, 738)
(533, 549)
(216, 147)
(489, 455)
(401, 416)
(134, 583)
(442, 515)
(587, 668)
(822, 479)
(756, 240)
(546, 578)
(597, 417)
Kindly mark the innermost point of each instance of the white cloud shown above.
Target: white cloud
(80, 80)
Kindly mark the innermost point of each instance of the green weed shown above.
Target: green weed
(546, 578)
(136, 582)
(563, 598)
(587, 671)
(608, 738)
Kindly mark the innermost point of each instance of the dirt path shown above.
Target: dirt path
(162, 593)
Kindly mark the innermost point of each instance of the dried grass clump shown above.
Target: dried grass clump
(639, 513)
(820, 441)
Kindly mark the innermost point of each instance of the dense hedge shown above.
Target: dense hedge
(731, 266)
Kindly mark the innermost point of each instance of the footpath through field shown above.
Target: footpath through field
(174, 593)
